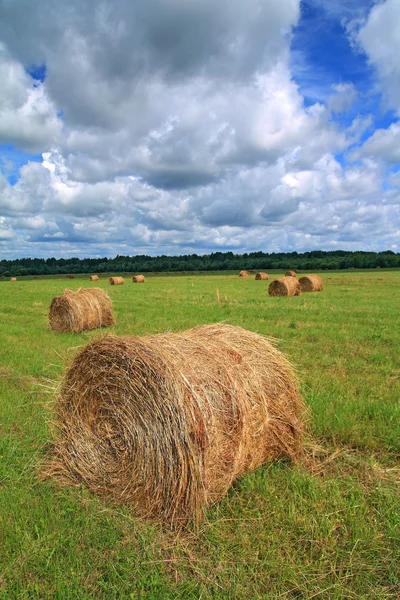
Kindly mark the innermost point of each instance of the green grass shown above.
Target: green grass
(282, 532)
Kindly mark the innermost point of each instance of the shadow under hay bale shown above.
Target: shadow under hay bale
(94, 278)
(81, 310)
(311, 283)
(285, 286)
(290, 273)
(262, 276)
(116, 280)
(167, 422)
(244, 274)
(138, 279)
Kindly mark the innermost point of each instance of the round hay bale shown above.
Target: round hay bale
(138, 279)
(285, 286)
(116, 280)
(167, 422)
(81, 310)
(244, 274)
(261, 276)
(94, 278)
(311, 283)
(13, 279)
(290, 273)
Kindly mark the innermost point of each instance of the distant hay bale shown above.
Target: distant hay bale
(116, 280)
(167, 422)
(13, 279)
(285, 286)
(261, 276)
(290, 273)
(81, 310)
(94, 278)
(311, 283)
(138, 279)
(244, 274)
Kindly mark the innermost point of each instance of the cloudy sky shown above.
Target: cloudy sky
(180, 126)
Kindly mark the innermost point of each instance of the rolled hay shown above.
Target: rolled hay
(116, 280)
(261, 276)
(81, 310)
(285, 286)
(311, 283)
(290, 273)
(13, 279)
(94, 278)
(244, 274)
(167, 422)
(138, 279)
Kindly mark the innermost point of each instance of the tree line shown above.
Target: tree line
(216, 261)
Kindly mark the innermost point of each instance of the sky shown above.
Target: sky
(191, 126)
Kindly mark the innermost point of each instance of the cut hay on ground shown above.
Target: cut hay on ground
(244, 274)
(116, 280)
(311, 283)
(261, 276)
(285, 286)
(81, 310)
(167, 422)
(94, 278)
(138, 279)
(13, 279)
(290, 273)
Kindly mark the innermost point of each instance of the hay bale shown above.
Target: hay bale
(290, 273)
(244, 274)
(81, 310)
(138, 279)
(311, 283)
(13, 279)
(116, 280)
(261, 276)
(167, 422)
(94, 278)
(285, 286)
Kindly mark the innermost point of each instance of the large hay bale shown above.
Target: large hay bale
(81, 310)
(13, 279)
(290, 273)
(285, 286)
(167, 422)
(261, 276)
(138, 279)
(116, 280)
(311, 283)
(94, 278)
(244, 274)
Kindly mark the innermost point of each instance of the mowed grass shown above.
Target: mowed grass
(330, 530)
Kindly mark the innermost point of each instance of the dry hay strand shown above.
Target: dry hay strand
(138, 279)
(244, 274)
(261, 276)
(94, 278)
(13, 279)
(290, 273)
(116, 280)
(167, 422)
(285, 286)
(81, 310)
(311, 283)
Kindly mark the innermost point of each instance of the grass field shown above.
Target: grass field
(283, 531)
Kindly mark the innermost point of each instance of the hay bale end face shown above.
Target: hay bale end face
(167, 422)
(290, 273)
(13, 279)
(81, 310)
(116, 281)
(138, 279)
(261, 276)
(311, 283)
(244, 274)
(94, 278)
(285, 286)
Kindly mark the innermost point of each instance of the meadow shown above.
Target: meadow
(328, 529)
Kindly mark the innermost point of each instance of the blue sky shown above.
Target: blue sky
(199, 126)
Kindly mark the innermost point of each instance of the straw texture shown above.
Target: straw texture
(94, 278)
(311, 283)
(290, 273)
(262, 276)
(81, 310)
(138, 279)
(244, 274)
(285, 286)
(116, 280)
